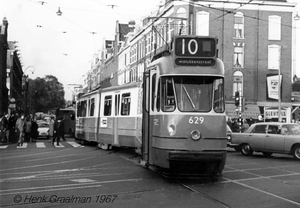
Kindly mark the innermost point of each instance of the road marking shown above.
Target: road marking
(23, 146)
(3, 147)
(40, 145)
(48, 164)
(83, 180)
(74, 144)
(59, 146)
(262, 191)
(63, 187)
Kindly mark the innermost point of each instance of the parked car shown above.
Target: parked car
(43, 129)
(269, 138)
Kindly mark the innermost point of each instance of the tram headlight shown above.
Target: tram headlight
(196, 135)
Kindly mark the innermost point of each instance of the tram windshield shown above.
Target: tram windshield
(192, 94)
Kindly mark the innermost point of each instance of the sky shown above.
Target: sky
(63, 46)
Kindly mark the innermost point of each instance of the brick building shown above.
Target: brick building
(255, 43)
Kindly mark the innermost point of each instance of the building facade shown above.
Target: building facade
(3, 62)
(255, 44)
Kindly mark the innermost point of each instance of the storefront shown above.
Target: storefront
(251, 111)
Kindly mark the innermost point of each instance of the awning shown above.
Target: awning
(251, 111)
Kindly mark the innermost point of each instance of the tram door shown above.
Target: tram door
(115, 118)
(148, 85)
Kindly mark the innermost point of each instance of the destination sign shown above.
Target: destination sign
(195, 47)
(195, 51)
(194, 62)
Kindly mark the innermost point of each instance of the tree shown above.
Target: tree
(46, 94)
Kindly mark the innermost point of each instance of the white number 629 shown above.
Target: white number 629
(196, 120)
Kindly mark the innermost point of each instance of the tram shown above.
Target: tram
(175, 118)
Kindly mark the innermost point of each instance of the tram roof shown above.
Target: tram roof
(167, 66)
(124, 86)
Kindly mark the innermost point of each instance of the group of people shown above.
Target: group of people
(18, 127)
(56, 130)
(239, 126)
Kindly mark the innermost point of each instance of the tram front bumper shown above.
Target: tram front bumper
(211, 162)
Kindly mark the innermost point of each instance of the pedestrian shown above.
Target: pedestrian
(5, 128)
(62, 128)
(34, 130)
(245, 126)
(11, 126)
(20, 129)
(51, 129)
(56, 132)
(1, 129)
(27, 129)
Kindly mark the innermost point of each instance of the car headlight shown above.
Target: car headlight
(196, 135)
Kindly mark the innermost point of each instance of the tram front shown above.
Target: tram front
(184, 121)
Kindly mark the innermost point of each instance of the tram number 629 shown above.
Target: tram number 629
(196, 120)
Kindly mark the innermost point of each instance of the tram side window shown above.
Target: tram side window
(92, 106)
(168, 95)
(107, 105)
(83, 108)
(78, 109)
(219, 105)
(126, 101)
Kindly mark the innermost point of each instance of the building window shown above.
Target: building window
(202, 23)
(274, 56)
(274, 27)
(181, 24)
(239, 25)
(238, 56)
(237, 83)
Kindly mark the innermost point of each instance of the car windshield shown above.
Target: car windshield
(293, 129)
(43, 124)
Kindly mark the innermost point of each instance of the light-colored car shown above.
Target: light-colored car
(43, 129)
(269, 138)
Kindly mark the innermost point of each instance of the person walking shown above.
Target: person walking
(56, 132)
(34, 130)
(20, 129)
(27, 129)
(62, 128)
(5, 128)
(51, 129)
(11, 126)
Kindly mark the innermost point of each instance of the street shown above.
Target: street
(74, 175)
